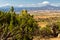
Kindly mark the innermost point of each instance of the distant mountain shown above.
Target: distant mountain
(46, 7)
(49, 7)
(18, 9)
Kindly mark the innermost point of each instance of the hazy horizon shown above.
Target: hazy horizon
(29, 3)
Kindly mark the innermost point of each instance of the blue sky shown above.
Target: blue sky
(29, 3)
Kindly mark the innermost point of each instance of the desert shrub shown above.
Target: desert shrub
(17, 26)
(58, 23)
(45, 32)
(51, 30)
(54, 28)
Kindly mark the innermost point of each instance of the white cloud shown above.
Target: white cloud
(55, 4)
(45, 2)
(6, 4)
(38, 4)
(26, 5)
(21, 5)
(31, 5)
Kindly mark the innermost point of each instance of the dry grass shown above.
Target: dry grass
(42, 24)
(38, 38)
(54, 38)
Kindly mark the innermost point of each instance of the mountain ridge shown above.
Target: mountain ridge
(17, 9)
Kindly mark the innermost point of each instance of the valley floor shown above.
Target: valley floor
(47, 39)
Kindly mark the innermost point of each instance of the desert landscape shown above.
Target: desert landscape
(29, 19)
(44, 18)
(46, 15)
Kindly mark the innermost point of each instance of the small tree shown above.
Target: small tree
(12, 9)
